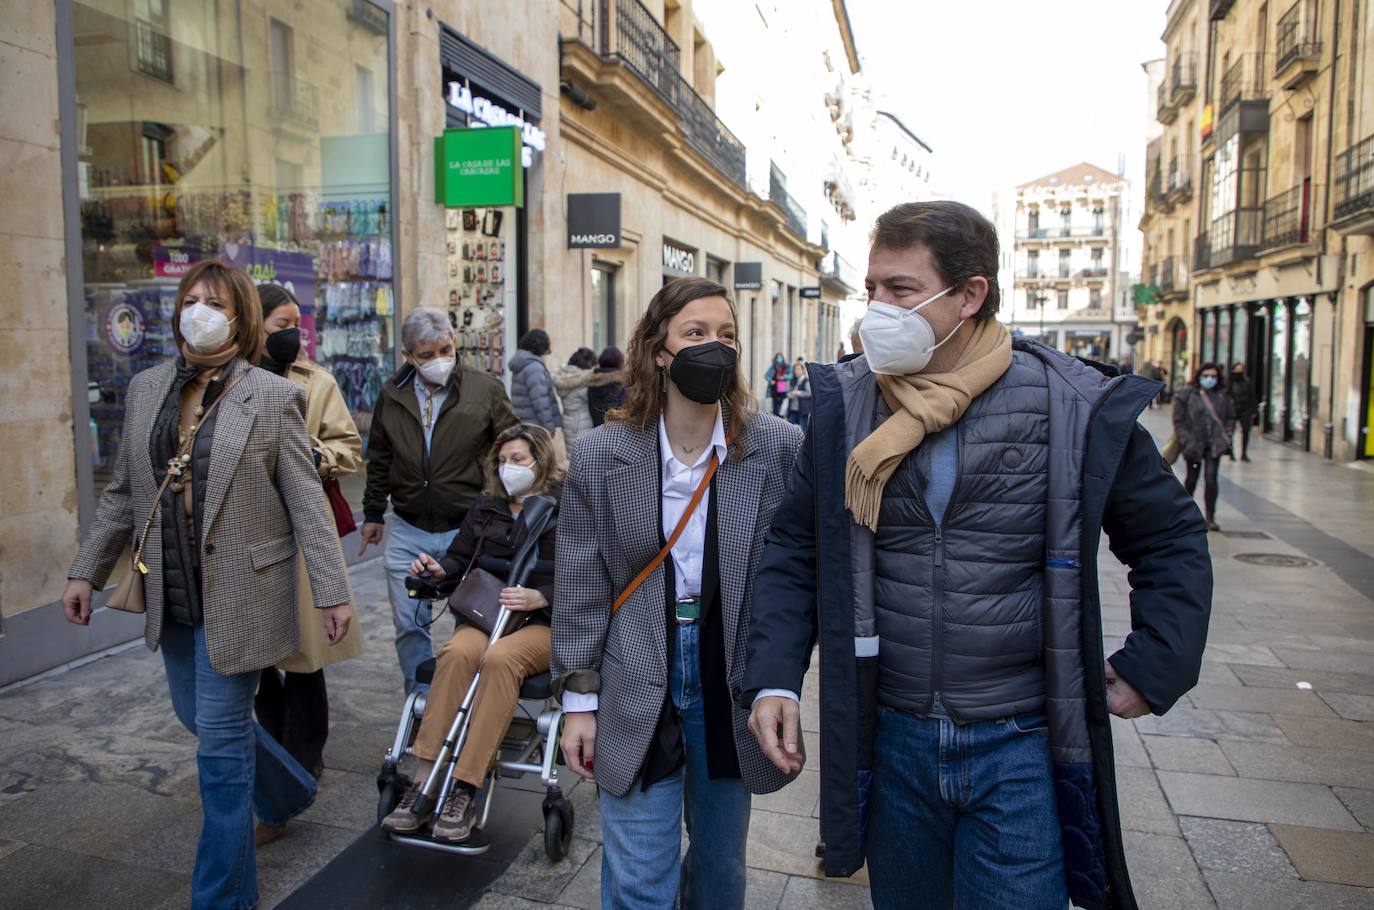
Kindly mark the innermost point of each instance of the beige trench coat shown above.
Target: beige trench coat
(334, 435)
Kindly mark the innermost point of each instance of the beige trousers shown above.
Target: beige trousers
(505, 666)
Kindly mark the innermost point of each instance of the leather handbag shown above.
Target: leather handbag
(1171, 449)
(129, 596)
(343, 512)
(477, 599)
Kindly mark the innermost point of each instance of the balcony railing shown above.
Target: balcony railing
(794, 216)
(1202, 251)
(835, 268)
(1167, 270)
(645, 47)
(711, 138)
(295, 101)
(1061, 232)
(1237, 235)
(1183, 79)
(1289, 216)
(1355, 179)
(1152, 275)
(1297, 36)
(153, 51)
(1164, 109)
(1246, 80)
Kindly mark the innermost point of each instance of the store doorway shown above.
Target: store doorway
(1364, 444)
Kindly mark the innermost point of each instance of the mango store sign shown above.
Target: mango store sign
(478, 167)
(488, 112)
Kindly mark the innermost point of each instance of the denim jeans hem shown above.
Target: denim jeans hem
(314, 793)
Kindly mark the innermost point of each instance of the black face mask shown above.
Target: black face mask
(703, 372)
(283, 347)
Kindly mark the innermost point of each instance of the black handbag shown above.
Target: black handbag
(477, 599)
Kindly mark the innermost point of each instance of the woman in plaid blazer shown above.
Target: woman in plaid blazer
(220, 588)
(649, 687)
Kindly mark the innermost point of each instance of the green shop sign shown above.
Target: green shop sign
(478, 167)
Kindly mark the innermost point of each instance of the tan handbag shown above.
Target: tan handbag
(128, 597)
(1171, 449)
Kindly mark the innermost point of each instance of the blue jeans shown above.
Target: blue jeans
(404, 543)
(242, 770)
(641, 863)
(964, 816)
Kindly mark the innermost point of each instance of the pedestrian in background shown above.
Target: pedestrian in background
(611, 394)
(778, 384)
(432, 425)
(531, 388)
(1243, 403)
(226, 496)
(934, 542)
(688, 460)
(575, 382)
(1204, 421)
(799, 396)
(292, 701)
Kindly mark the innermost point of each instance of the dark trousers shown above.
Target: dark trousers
(779, 405)
(1208, 467)
(1243, 421)
(294, 708)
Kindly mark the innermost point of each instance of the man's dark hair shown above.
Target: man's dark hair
(536, 341)
(962, 242)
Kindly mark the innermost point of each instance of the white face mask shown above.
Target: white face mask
(517, 478)
(897, 341)
(205, 329)
(437, 371)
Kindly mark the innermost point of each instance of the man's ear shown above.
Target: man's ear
(974, 294)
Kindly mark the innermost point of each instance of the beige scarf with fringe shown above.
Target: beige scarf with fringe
(921, 403)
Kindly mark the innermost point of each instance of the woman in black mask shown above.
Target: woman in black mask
(664, 514)
(292, 703)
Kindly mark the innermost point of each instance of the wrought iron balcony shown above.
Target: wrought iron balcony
(1180, 184)
(1202, 251)
(1093, 273)
(295, 101)
(1165, 111)
(1074, 232)
(1167, 270)
(837, 270)
(1246, 80)
(1289, 217)
(794, 216)
(1355, 180)
(1298, 46)
(1183, 79)
(153, 51)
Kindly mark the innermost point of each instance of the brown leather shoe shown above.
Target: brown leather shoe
(265, 834)
(454, 824)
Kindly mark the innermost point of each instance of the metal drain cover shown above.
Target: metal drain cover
(1247, 535)
(1277, 560)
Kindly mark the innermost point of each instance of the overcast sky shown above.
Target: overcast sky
(1007, 90)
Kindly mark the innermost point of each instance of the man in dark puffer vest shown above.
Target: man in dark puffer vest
(939, 540)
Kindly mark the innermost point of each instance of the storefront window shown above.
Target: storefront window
(603, 307)
(1209, 334)
(245, 132)
(1224, 337)
(1300, 372)
(1240, 338)
(1278, 363)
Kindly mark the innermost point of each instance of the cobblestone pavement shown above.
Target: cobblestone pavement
(1256, 791)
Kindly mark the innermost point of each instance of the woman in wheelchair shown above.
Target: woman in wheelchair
(523, 462)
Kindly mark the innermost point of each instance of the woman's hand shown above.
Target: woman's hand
(579, 742)
(76, 602)
(336, 621)
(426, 563)
(523, 600)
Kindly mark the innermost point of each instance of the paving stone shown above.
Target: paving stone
(1143, 807)
(1340, 857)
(1209, 724)
(763, 890)
(1184, 753)
(801, 797)
(359, 748)
(1255, 699)
(1322, 681)
(1359, 802)
(1246, 892)
(1342, 642)
(586, 809)
(783, 843)
(584, 891)
(1242, 847)
(1126, 744)
(1351, 707)
(825, 894)
(39, 876)
(10, 846)
(1213, 796)
(1216, 673)
(1301, 659)
(1163, 873)
(495, 901)
(1299, 763)
(1254, 655)
(344, 800)
(1328, 733)
(533, 877)
(77, 816)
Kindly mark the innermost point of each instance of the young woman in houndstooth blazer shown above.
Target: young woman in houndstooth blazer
(220, 589)
(650, 691)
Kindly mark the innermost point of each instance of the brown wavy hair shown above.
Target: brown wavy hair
(232, 284)
(549, 468)
(646, 383)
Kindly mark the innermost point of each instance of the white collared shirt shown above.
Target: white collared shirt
(678, 482)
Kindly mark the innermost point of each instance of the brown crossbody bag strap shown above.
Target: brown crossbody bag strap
(657, 561)
(162, 488)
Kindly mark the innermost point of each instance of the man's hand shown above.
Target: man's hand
(371, 533)
(775, 722)
(76, 602)
(1122, 698)
(579, 742)
(336, 620)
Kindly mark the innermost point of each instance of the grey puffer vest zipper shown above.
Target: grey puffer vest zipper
(958, 604)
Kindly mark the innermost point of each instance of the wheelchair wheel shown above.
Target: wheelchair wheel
(389, 795)
(558, 828)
